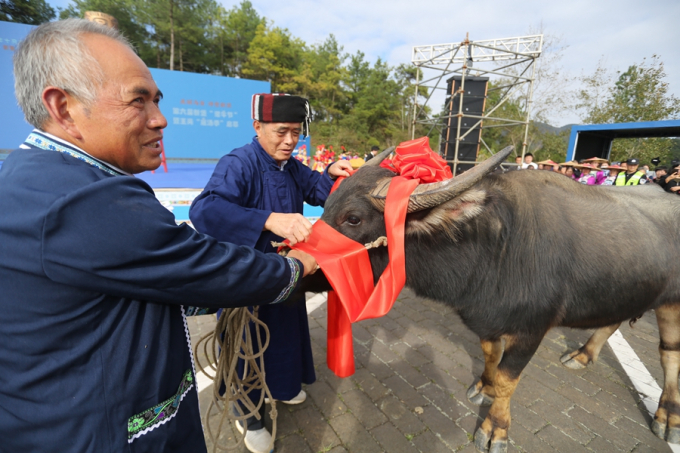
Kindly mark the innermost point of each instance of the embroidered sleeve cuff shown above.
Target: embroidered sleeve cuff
(197, 311)
(295, 277)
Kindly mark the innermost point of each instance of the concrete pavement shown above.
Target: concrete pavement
(413, 368)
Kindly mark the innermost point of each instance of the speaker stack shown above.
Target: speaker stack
(474, 102)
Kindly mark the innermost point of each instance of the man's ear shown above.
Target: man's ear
(60, 105)
(258, 126)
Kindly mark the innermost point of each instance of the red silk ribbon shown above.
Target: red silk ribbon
(346, 264)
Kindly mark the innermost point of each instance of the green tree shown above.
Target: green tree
(195, 37)
(406, 76)
(164, 17)
(376, 105)
(320, 79)
(275, 56)
(375, 108)
(593, 91)
(674, 152)
(358, 71)
(639, 94)
(32, 12)
(548, 144)
(236, 30)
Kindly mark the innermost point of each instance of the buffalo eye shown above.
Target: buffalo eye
(353, 220)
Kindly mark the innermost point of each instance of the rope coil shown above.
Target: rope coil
(232, 339)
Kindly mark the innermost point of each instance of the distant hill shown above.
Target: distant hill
(544, 127)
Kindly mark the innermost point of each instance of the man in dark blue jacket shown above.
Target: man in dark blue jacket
(256, 196)
(96, 277)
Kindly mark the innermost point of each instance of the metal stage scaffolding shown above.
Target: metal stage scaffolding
(512, 61)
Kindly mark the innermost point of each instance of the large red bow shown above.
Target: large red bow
(345, 262)
(415, 160)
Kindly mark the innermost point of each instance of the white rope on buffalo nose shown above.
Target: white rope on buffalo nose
(380, 242)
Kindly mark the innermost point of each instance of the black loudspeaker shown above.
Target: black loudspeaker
(474, 86)
(474, 103)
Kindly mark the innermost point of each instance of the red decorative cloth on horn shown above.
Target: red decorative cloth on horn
(345, 262)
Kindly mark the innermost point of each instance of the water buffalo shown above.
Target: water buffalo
(520, 252)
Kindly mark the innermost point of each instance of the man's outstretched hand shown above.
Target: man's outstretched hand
(294, 227)
(308, 261)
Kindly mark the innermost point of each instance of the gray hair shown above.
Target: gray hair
(54, 55)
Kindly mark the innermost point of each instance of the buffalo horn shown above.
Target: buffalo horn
(427, 196)
(379, 157)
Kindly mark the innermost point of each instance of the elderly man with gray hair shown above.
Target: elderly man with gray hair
(96, 277)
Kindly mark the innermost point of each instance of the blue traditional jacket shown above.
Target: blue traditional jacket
(96, 280)
(246, 187)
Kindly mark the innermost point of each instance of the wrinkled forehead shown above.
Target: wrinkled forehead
(283, 127)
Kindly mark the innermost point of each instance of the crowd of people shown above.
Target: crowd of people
(597, 171)
(325, 156)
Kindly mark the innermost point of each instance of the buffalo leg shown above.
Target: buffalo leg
(589, 352)
(492, 435)
(666, 424)
(482, 392)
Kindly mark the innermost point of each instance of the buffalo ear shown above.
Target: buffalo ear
(447, 217)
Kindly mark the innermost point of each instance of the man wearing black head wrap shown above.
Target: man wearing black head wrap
(256, 196)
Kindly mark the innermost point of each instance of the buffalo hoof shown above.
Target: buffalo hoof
(481, 441)
(670, 435)
(673, 436)
(499, 447)
(665, 424)
(659, 429)
(571, 362)
(477, 397)
(482, 444)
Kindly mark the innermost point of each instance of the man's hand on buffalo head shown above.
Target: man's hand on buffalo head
(339, 168)
(294, 227)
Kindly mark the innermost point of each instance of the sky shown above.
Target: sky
(621, 32)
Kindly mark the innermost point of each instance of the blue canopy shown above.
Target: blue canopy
(595, 140)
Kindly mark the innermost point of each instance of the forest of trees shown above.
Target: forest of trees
(356, 102)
